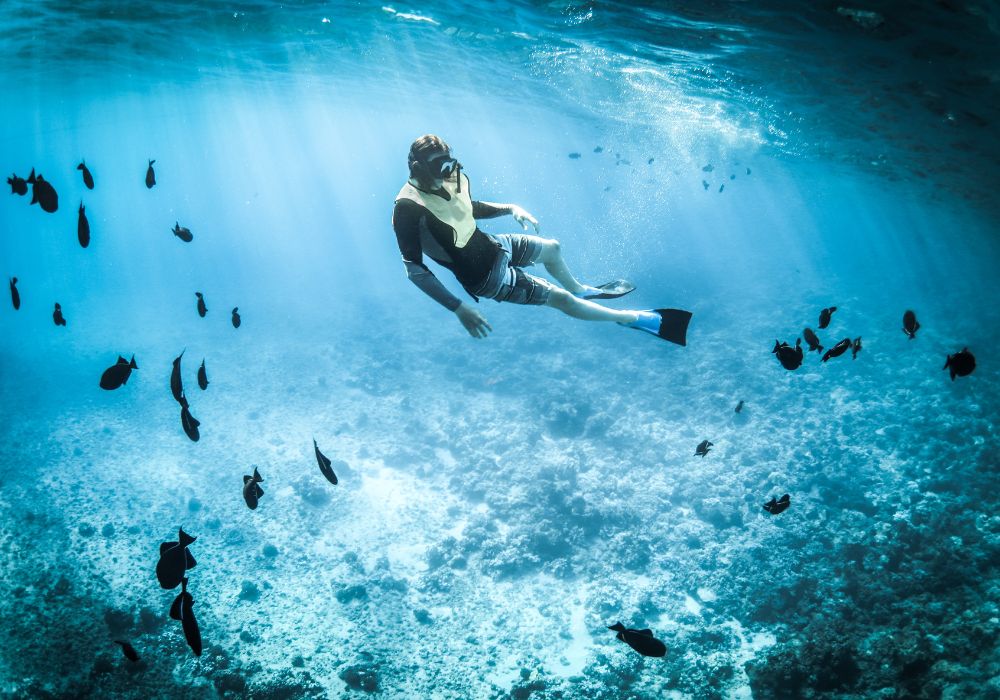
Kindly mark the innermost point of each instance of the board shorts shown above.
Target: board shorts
(507, 281)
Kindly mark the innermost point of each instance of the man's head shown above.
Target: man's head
(430, 160)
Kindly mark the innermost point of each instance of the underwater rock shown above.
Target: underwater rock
(118, 621)
(270, 551)
(350, 594)
(250, 592)
(361, 676)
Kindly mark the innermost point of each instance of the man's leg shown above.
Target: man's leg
(586, 310)
(551, 257)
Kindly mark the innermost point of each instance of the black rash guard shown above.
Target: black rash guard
(418, 231)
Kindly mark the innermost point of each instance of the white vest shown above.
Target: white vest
(455, 212)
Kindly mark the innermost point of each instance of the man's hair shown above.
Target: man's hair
(423, 147)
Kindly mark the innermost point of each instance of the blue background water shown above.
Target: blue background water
(502, 501)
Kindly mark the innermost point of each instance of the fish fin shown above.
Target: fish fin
(189, 562)
(246, 479)
(617, 627)
(260, 492)
(31, 178)
(175, 608)
(132, 363)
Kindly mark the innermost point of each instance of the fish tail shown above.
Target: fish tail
(132, 363)
(31, 178)
(185, 539)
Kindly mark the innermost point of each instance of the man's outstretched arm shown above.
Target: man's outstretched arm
(406, 224)
(491, 210)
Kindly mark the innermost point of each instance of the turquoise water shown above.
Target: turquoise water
(502, 501)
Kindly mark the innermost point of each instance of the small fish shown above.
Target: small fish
(732, 177)
(623, 162)
(812, 339)
(118, 373)
(236, 317)
(57, 316)
(128, 650)
(175, 559)
(202, 376)
(702, 449)
(42, 193)
(910, 324)
(83, 227)
(150, 176)
(183, 233)
(642, 641)
(856, 348)
(824, 317)
(789, 357)
(838, 349)
(251, 491)
(324, 464)
(188, 422)
(650, 161)
(721, 188)
(88, 179)
(598, 149)
(202, 309)
(15, 296)
(574, 155)
(183, 609)
(18, 185)
(748, 171)
(961, 364)
(739, 406)
(708, 168)
(704, 183)
(778, 505)
(176, 387)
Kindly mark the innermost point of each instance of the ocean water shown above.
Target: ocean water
(502, 501)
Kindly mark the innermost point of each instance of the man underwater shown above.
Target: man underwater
(435, 214)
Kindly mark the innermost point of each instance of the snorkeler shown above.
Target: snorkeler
(435, 214)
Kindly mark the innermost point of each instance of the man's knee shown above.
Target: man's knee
(551, 251)
(559, 299)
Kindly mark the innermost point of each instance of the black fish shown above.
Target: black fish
(961, 364)
(236, 317)
(150, 176)
(130, 653)
(175, 559)
(789, 357)
(202, 376)
(18, 185)
(642, 641)
(910, 324)
(188, 422)
(721, 187)
(118, 373)
(176, 387)
(739, 406)
(778, 505)
(57, 316)
(856, 348)
(88, 179)
(83, 227)
(702, 449)
(183, 609)
(42, 193)
(824, 316)
(812, 339)
(838, 349)
(324, 465)
(574, 155)
(251, 491)
(598, 149)
(704, 183)
(15, 296)
(202, 309)
(183, 233)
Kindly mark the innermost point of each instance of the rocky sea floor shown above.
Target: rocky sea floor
(500, 503)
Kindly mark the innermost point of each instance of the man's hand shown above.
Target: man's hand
(521, 216)
(473, 321)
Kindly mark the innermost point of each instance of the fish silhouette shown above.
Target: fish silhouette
(910, 324)
(838, 349)
(175, 559)
(202, 376)
(15, 296)
(824, 316)
(251, 491)
(183, 609)
(57, 316)
(183, 233)
(739, 406)
(18, 185)
(856, 348)
(202, 309)
(961, 364)
(128, 650)
(88, 179)
(324, 464)
(642, 641)
(118, 373)
(188, 422)
(778, 505)
(812, 340)
(176, 387)
(236, 317)
(703, 448)
(150, 176)
(83, 227)
(43, 193)
(789, 357)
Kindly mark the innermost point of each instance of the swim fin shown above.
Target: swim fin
(608, 290)
(672, 326)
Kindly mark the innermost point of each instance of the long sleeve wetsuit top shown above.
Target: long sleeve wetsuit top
(418, 232)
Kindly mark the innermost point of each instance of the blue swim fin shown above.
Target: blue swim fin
(669, 324)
